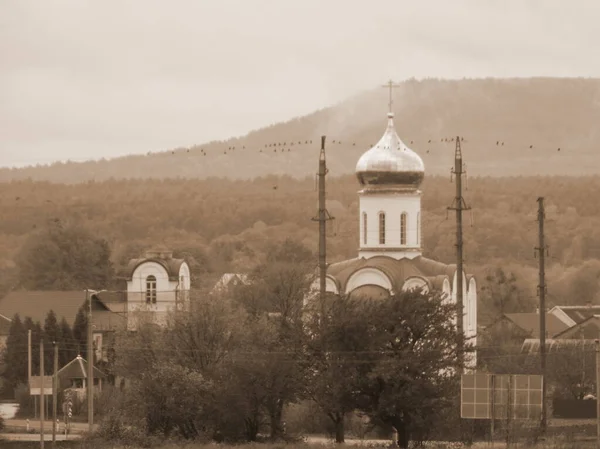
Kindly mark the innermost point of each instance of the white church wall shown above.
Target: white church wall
(137, 306)
(415, 282)
(393, 205)
(368, 276)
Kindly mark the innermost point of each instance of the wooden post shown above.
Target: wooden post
(598, 393)
(42, 394)
(54, 394)
(493, 406)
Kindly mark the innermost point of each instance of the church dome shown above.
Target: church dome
(390, 162)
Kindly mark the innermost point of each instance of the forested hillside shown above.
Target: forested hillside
(510, 127)
(224, 225)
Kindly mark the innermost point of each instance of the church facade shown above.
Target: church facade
(390, 258)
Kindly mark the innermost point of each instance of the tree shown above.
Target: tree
(36, 335)
(80, 330)
(277, 288)
(337, 345)
(501, 294)
(15, 355)
(173, 398)
(64, 258)
(51, 336)
(413, 375)
(67, 349)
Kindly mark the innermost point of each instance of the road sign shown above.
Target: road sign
(501, 396)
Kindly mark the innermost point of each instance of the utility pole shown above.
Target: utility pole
(29, 356)
(54, 394)
(29, 371)
(459, 205)
(90, 364)
(323, 217)
(542, 293)
(42, 391)
(597, 394)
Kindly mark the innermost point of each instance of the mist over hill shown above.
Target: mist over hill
(511, 127)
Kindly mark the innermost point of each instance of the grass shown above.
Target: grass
(557, 444)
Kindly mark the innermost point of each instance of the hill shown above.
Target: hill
(510, 127)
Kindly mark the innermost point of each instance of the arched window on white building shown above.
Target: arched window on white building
(151, 290)
(382, 228)
(364, 228)
(403, 228)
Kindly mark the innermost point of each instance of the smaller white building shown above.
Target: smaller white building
(156, 285)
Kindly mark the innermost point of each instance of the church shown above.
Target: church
(390, 255)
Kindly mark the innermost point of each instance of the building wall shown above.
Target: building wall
(168, 293)
(393, 205)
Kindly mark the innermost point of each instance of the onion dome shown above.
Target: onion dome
(390, 163)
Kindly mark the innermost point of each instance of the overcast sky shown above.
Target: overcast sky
(89, 79)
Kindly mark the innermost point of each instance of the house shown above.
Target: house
(4, 331)
(526, 325)
(588, 329)
(156, 283)
(229, 280)
(73, 376)
(571, 315)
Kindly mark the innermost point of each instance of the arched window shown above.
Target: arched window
(364, 228)
(403, 228)
(382, 228)
(150, 290)
(418, 228)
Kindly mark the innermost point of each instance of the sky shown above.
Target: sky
(83, 79)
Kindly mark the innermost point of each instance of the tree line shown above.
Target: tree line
(71, 341)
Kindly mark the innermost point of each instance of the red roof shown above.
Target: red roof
(77, 369)
(530, 323)
(588, 329)
(580, 313)
(37, 304)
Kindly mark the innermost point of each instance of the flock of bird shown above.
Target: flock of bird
(286, 147)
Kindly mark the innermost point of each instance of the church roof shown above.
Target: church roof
(170, 265)
(397, 270)
(390, 162)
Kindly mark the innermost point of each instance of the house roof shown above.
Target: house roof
(37, 304)
(397, 270)
(532, 345)
(588, 329)
(579, 313)
(77, 369)
(230, 279)
(530, 323)
(4, 325)
(170, 265)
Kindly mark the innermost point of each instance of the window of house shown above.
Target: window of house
(151, 290)
(403, 228)
(364, 228)
(381, 228)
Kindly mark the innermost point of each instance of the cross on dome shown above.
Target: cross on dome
(390, 85)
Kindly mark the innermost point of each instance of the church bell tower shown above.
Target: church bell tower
(390, 174)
